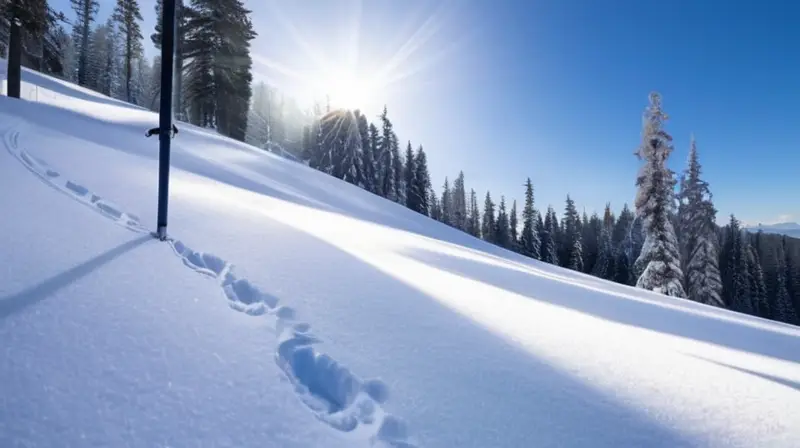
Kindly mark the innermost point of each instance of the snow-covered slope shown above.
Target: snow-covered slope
(293, 310)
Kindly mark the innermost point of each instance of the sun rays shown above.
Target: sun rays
(352, 74)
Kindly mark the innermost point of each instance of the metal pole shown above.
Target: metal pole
(14, 60)
(165, 114)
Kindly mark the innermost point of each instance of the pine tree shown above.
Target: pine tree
(86, 12)
(474, 221)
(736, 287)
(459, 198)
(573, 248)
(550, 242)
(758, 287)
(697, 218)
(435, 207)
(127, 16)
(367, 151)
(783, 309)
(385, 160)
(397, 173)
(217, 38)
(409, 174)
(604, 266)
(659, 261)
(422, 181)
(488, 224)
(501, 230)
(530, 244)
(512, 222)
(447, 203)
(374, 172)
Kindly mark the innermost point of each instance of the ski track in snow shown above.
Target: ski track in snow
(328, 389)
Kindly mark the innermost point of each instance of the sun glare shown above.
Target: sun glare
(344, 89)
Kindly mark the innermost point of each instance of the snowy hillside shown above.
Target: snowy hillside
(295, 310)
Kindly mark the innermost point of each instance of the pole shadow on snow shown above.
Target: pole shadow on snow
(435, 357)
(17, 302)
(775, 379)
(619, 309)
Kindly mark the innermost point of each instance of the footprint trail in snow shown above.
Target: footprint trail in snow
(334, 394)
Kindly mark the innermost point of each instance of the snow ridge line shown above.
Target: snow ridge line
(334, 394)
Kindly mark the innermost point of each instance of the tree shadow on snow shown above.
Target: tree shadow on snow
(17, 302)
(614, 308)
(261, 173)
(455, 382)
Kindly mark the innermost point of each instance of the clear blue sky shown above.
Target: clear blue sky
(555, 90)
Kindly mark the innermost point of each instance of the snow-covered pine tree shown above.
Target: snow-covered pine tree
(459, 197)
(513, 224)
(127, 16)
(104, 63)
(474, 220)
(697, 217)
(140, 84)
(422, 181)
(447, 203)
(397, 173)
(86, 12)
(435, 207)
(530, 244)
(736, 287)
(783, 309)
(659, 261)
(488, 223)
(758, 287)
(573, 248)
(367, 152)
(604, 265)
(409, 180)
(377, 162)
(385, 159)
(501, 230)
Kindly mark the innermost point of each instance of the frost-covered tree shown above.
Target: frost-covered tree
(422, 181)
(447, 203)
(459, 198)
(374, 171)
(783, 309)
(501, 230)
(573, 247)
(530, 244)
(409, 175)
(513, 224)
(86, 13)
(367, 153)
(474, 219)
(697, 217)
(659, 261)
(488, 223)
(385, 161)
(127, 16)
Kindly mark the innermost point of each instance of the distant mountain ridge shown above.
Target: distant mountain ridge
(783, 228)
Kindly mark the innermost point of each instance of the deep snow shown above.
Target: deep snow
(293, 309)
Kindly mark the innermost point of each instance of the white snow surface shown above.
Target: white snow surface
(294, 310)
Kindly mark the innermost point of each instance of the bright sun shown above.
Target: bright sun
(345, 90)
